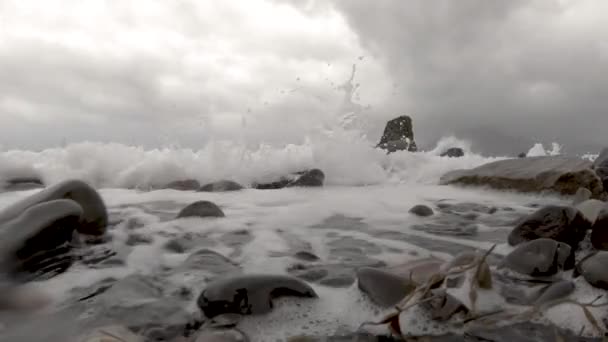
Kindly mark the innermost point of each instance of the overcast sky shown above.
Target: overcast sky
(503, 74)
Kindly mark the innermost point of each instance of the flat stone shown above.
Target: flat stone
(249, 294)
(209, 261)
(384, 288)
(112, 333)
(201, 209)
(221, 186)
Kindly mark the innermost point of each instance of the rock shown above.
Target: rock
(222, 335)
(560, 223)
(310, 178)
(94, 218)
(201, 209)
(112, 333)
(249, 294)
(383, 288)
(591, 209)
(421, 210)
(37, 240)
(564, 175)
(557, 290)
(21, 183)
(444, 306)
(593, 269)
(582, 194)
(522, 155)
(418, 270)
(305, 256)
(184, 185)
(221, 186)
(398, 135)
(601, 167)
(599, 232)
(453, 152)
(138, 239)
(210, 262)
(540, 257)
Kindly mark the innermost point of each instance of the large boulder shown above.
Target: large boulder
(541, 257)
(564, 175)
(201, 209)
(453, 152)
(249, 294)
(398, 135)
(560, 223)
(94, 218)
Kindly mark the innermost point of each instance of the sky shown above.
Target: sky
(502, 74)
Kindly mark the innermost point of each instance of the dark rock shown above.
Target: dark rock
(593, 269)
(522, 155)
(599, 232)
(184, 185)
(582, 194)
(560, 223)
(383, 288)
(310, 178)
(555, 291)
(540, 257)
(421, 210)
(398, 135)
(138, 239)
(201, 209)
(305, 256)
(221, 186)
(37, 241)
(280, 184)
(94, 217)
(249, 294)
(564, 175)
(453, 152)
(419, 271)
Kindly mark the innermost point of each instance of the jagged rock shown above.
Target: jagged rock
(540, 257)
(599, 232)
(590, 209)
(184, 185)
(94, 218)
(383, 288)
(249, 294)
(201, 209)
(564, 175)
(421, 210)
(453, 152)
(593, 269)
(582, 194)
(37, 240)
(560, 223)
(398, 135)
(221, 186)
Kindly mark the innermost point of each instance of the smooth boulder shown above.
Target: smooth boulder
(201, 209)
(383, 288)
(421, 210)
(221, 186)
(453, 152)
(599, 231)
(564, 175)
(94, 218)
(398, 135)
(539, 258)
(593, 269)
(560, 223)
(249, 294)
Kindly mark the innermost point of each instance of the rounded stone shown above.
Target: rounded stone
(221, 186)
(541, 257)
(421, 210)
(593, 269)
(201, 209)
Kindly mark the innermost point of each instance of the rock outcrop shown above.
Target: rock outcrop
(564, 175)
(398, 135)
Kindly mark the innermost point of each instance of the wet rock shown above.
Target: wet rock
(37, 241)
(593, 269)
(453, 152)
(419, 270)
(541, 257)
(221, 186)
(582, 194)
(564, 175)
(138, 239)
(305, 256)
(21, 184)
(112, 333)
(383, 288)
(590, 209)
(209, 261)
(249, 294)
(221, 335)
(398, 135)
(599, 232)
(521, 155)
(352, 337)
(458, 229)
(421, 210)
(555, 291)
(94, 217)
(236, 238)
(310, 178)
(560, 223)
(184, 185)
(201, 209)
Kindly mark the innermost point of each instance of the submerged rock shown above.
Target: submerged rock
(221, 186)
(21, 183)
(201, 209)
(599, 232)
(560, 223)
(249, 294)
(398, 135)
(94, 218)
(421, 210)
(540, 257)
(593, 269)
(209, 261)
(564, 175)
(383, 288)
(184, 185)
(453, 152)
